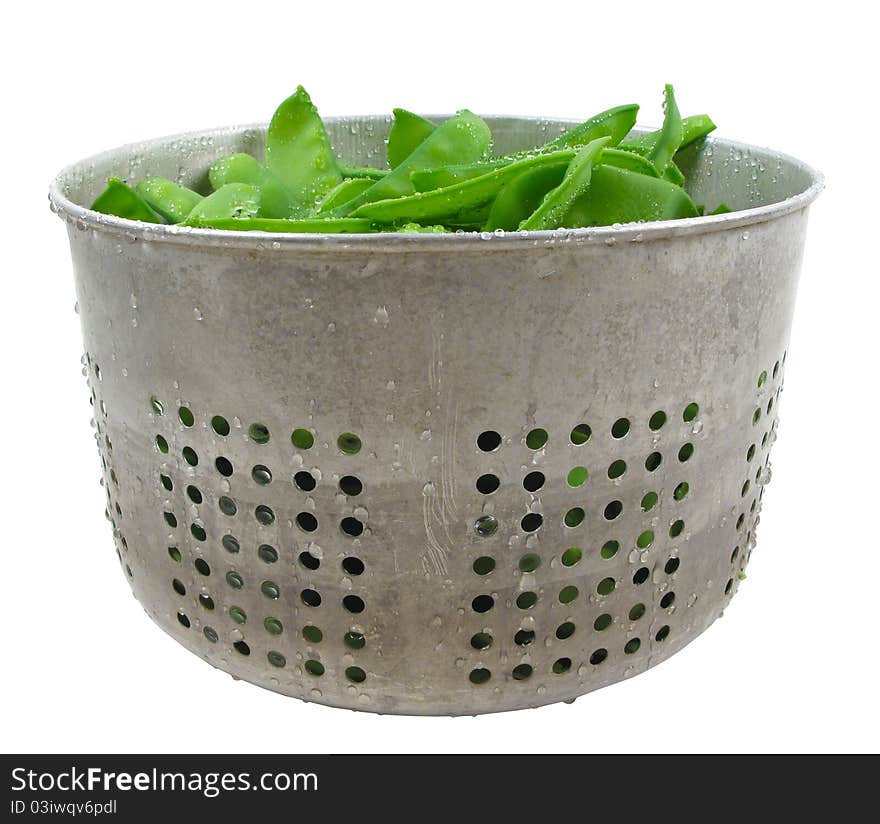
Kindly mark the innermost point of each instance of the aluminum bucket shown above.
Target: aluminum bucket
(437, 474)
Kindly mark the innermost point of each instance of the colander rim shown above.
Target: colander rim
(396, 242)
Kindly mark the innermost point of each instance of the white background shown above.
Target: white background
(793, 665)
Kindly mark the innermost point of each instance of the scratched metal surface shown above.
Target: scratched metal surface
(418, 348)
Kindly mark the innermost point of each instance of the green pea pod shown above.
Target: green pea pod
(416, 228)
(693, 128)
(628, 160)
(276, 200)
(341, 194)
(614, 124)
(448, 204)
(367, 172)
(123, 201)
(555, 205)
(721, 209)
(673, 174)
(424, 180)
(407, 132)
(519, 198)
(298, 151)
(234, 200)
(288, 226)
(671, 133)
(464, 138)
(171, 200)
(622, 196)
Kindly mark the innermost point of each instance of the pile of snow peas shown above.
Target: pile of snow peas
(441, 177)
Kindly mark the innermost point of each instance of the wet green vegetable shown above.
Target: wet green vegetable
(276, 200)
(463, 138)
(298, 151)
(451, 202)
(614, 124)
(519, 198)
(343, 193)
(407, 132)
(670, 136)
(613, 156)
(692, 128)
(557, 202)
(621, 196)
(441, 177)
(171, 200)
(233, 200)
(367, 172)
(123, 201)
(265, 224)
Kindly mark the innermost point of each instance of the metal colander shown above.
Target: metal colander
(437, 474)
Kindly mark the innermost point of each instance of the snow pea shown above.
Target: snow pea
(671, 134)
(424, 180)
(612, 156)
(276, 199)
(428, 179)
(171, 200)
(621, 196)
(693, 128)
(416, 229)
(464, 138)
(441, 177)
(519, 198)
(121, 200)
(555, 205)
(613, 123)
(362, 171)
(233, 200)
(407, 132)
(287, 225)
(298, 151)
(673, 174)
(342, 193)
(450, 202)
